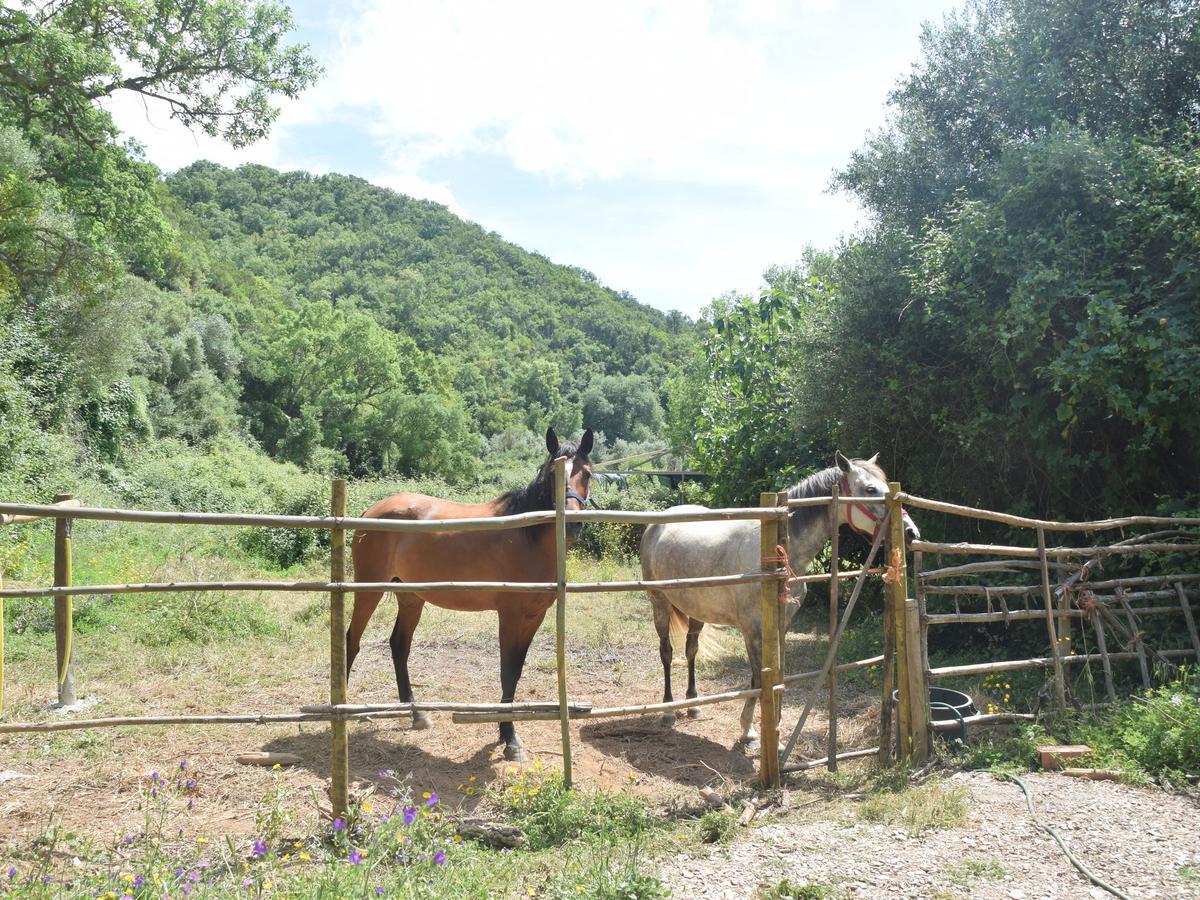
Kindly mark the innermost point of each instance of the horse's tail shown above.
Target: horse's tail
(714, 642)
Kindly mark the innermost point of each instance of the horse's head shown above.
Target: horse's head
(864, 478)
(579, 467)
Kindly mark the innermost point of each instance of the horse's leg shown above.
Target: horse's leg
(662, 624)
(695, 626)
(364, 607)
(517, 629)
(753, 639)
(408, 614)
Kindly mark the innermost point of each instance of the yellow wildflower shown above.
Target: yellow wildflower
(305, 857)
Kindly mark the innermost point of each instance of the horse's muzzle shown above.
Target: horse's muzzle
(911, 532)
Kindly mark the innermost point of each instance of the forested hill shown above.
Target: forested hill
(505, 336)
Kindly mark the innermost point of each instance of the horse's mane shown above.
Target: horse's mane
(820, 484)
(539, 493)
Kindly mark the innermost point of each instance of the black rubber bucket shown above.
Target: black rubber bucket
(957, 700)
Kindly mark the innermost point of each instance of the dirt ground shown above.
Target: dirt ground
(1142, 842)
(94, 782)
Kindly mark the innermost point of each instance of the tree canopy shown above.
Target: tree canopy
(1018, 326)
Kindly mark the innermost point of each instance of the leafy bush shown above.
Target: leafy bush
(717, 825)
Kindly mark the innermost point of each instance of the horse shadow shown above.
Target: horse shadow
(377, 758)
(671, 753)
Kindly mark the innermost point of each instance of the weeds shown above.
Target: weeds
(717, 826)
(926, 807)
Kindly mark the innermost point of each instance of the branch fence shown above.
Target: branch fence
(904, 660)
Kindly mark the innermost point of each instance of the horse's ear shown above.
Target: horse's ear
(585, 444)
(871, 461)
(551, 441)
(843, 463)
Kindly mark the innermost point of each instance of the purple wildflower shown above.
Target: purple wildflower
(386, 773)
(355, 857)
(179, 873)
(183, 764)
(128, 839)
(194, 875)
(339, 824)
(433, 799)
(12, 871)
(246, 882)
(153, 792)
(139, 881)
(410, 815)
(440, 857)
(260, 848)
(379, 889)
(187, 889)
(154, 777)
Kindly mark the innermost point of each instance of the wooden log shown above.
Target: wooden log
(495, 523)
(357, 709)
(1093, 774)
(1183, 603)
(823, 577)
(1060, 691)
(1136, 635)
(768, 712)
(994, 565)
(1044, 524)
(394, 587)
(1022, 615)
(979, 590)
(1040, 662)
(981, 719)
(824, 761)
(887, 706)
(840, 667)
(560, 611)
(586, 711)
(216, 719)
(263, 758)
(1105, 662)
(831, 743)
(1139, 580)
(825, 501)
(63, 613)
(339, 787)
(918, 686)
(1032, 552)
(14, 519)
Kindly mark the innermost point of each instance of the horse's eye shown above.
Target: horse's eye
(871, 489)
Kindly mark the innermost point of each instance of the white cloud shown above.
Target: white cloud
(687, 92)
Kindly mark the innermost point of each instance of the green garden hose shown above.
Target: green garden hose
(962, 724)
(1094, 879)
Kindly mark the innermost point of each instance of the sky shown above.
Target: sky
(675, 149)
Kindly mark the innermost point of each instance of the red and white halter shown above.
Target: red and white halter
(864, 508)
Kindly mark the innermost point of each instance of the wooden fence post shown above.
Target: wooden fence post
(913, 707)
(62, 607)
(1, 641)
(831, 753)
(560, 616)
(768, 711)
(339, 757)
(1060, 690)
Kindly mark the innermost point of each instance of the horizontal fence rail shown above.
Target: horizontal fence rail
(1045, 524)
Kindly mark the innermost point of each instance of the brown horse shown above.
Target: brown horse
(522, 554)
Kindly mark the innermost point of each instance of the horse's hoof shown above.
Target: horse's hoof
(515, 753)
(668, 720)
(694, 713)
(422, 723)
(750, 743)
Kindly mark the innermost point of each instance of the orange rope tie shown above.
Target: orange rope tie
(780, 561)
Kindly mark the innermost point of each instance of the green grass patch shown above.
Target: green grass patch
(539, 803)
(927, 807)
(967, 871)
(793, 890)
(717, 826)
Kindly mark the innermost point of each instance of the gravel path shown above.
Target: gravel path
(1144, 842)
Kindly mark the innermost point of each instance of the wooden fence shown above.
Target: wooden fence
(772, 576)
(1065, 592)
(904, 661)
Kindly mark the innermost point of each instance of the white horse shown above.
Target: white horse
(703, 549)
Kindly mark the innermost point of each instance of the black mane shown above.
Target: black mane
(539, 493)
(819, 484)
